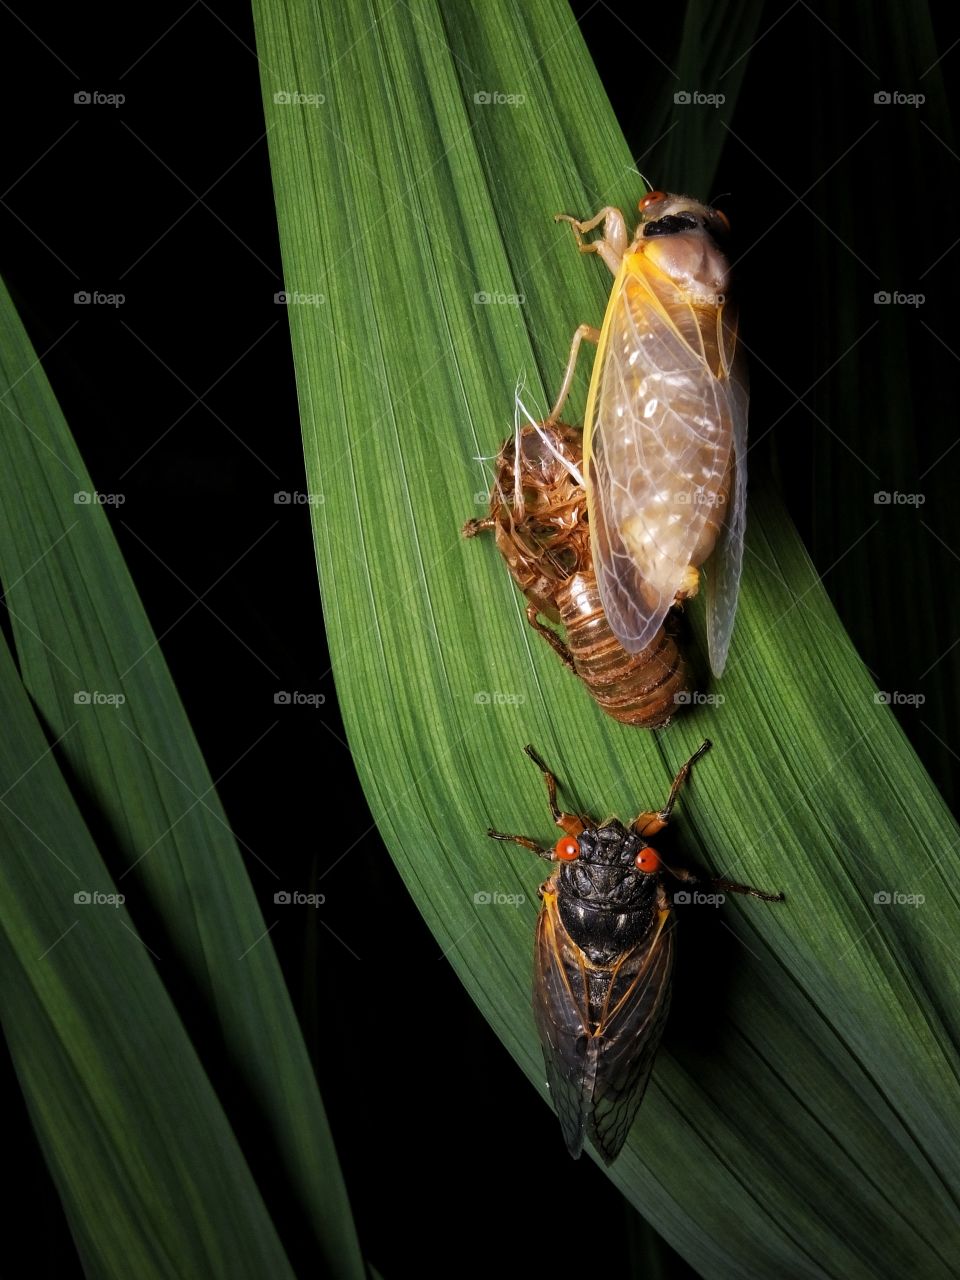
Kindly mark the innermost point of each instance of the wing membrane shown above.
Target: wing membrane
(657, 446)
(726, 563)
(600, 1028)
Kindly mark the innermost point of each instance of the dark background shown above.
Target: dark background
(182, 399)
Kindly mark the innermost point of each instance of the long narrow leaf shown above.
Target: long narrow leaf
(418, 152)
(93, 668)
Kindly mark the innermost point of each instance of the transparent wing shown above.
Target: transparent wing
(657, 445)
(599, 1029)
(726, 563)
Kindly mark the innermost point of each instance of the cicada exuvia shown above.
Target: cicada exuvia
(538, 515)
(665, 432)
(603, 961)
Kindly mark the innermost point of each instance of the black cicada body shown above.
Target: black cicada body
(603, 963)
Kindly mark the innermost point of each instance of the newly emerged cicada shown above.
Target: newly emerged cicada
(602, 963)
(665, 432)
(538, 515)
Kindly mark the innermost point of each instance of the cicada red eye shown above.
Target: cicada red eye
(566, 849)
(650, 198)
(722, 218)
(648, 861)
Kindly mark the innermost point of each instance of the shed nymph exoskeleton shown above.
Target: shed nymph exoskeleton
(603, 960)
(538, 516)
(665, 432)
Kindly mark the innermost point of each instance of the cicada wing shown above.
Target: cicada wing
(726, 563)
(629, 1036)
(656, 447)
(600, 1029)
(560, 1007)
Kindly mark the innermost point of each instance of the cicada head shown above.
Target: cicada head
(605, 868)
(605, 900)
(684, 238)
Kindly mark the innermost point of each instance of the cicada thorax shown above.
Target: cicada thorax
(605, 903)
(540, 518)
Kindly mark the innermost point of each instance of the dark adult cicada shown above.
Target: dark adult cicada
(538, 515)
(603, 962)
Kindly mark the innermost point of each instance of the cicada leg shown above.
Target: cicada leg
(551, 637)
(612, 245)
(592, 335)
(568, 822)
(475, 526)
(649, 823)
(725, 886)
(524, 841)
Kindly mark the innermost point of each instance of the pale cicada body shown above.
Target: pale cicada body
(665, 433)
(538, 515)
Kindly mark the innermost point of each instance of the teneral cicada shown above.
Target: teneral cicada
(538, 515)
(665, 433)
(602, 963)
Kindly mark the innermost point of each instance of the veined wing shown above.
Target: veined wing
(561, 1012)
(725, 564)
(600, 1028)
(627, 1040)
(657, 444)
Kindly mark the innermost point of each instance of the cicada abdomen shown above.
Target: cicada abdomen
(538, 513)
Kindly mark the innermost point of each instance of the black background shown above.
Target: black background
(183, 400)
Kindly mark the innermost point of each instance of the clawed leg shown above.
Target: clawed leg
(475, 526)
(568, 822)
(725, 886)
(649, 823)
(551, 637)
(591, 334)
(611, 247)
(614, 242)
(524, 841)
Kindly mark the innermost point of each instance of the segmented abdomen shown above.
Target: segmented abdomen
(635, 688)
